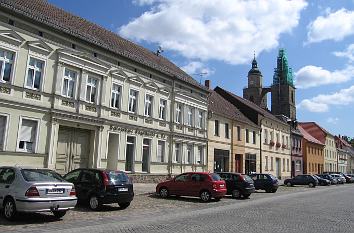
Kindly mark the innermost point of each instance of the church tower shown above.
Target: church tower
(254, 91)
(283, 89)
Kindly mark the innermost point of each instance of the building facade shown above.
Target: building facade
(73, 98)
(296, 152)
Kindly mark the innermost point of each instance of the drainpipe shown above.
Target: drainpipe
(260, 147)
(171, 127)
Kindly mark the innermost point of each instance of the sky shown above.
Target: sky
(217, 39)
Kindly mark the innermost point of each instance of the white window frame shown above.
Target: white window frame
(201, 154)
(35, 70)
(70, 79)
(134, 98)
(162, 160)
(179, 113)
(116, 94)
(200, 119)
(162, 109)
(190, 148)
(5, 60)
(265, 136)
(189, 116)
(35, 146)
(6, 131)
(180, 148)
(148, 103)
(91, 86)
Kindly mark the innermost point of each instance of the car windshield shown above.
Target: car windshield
(116, 177)
(38, 175)
(215, 177)
(273, 177)
(247, 178)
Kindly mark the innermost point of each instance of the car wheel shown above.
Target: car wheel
(205, 196)
(94, 203)
(288, 184)
(236, 193)
(59, 214)
(311, 185)
(246, 196)
(9, 209)
(164, 192)
(124, 205)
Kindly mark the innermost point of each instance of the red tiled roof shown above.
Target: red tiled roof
(308, 136)
(47, 14)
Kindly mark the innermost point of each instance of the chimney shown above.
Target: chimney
(207, 83)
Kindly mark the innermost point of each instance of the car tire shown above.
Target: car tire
(245, 196)
(311, 185)
(288, 184)
(205, 196)
(94, 203)
(59, 214)
(236, 193)
(9, 209)
(164, 193)
(124, 205)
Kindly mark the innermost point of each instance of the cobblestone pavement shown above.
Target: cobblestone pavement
(291, 209)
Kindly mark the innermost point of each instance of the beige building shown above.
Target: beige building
(72, 97)
(331, 154)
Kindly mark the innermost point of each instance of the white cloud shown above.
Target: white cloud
(313, 76)
(333, 26)
(322, 103)
(197, 68)
(227, 30)
(144, 2)
(332, 120)
(348, 53)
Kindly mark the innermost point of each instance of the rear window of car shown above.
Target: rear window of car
(247, 178)
(215, 177)
(116, 177)
(273, 177)
(35, 175)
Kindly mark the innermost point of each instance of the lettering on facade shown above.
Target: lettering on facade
(5, 90)
(138, 132)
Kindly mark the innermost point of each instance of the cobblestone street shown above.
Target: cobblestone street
(321, 208)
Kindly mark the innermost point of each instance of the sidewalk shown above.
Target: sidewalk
(144, 188)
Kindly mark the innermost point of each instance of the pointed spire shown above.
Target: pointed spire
(254, 69)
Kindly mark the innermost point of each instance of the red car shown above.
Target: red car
(196, 184)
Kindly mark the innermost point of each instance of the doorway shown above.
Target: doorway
(129, 154)
(238, 163)
(277, 168)
(250, 163)
(146, 155)
(113, 151)
(221, 160)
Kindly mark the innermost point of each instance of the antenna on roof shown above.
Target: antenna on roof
(159, 50)
(201, 75)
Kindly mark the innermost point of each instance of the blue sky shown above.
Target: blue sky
(219, 37)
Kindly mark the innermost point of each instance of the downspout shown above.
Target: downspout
(171, 127)
(260, 147)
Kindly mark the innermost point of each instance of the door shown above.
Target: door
(195, 184)
(88, 184)
(73, 149)
(277, 167)
(238, 163)
(292, 168)
(146, 155)
(7, 176)
(129, 154)
(180, 185)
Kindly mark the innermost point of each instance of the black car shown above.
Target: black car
(322, 181)
(237, 184)
(96, 187)
(328, 177)
(266, 182)
(309, 180)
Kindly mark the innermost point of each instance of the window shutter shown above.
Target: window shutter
(2, 131)
(28, 131)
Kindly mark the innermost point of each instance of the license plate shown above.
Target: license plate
(122, 189)
(55, 191)
(222, 185)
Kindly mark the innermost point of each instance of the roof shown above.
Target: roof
(314, 124)
(308, 136)
(42, 12)
(251, 105)
(219, 105)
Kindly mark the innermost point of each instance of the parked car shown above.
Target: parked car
(96, 187)
(328, 177)
(196, 184)
(322, 181)
(348, 178)
(340, 179)
(309, 180)
(34, 190)
(266, 182)
(237, 184)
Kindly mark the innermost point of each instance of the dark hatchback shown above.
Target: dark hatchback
(237, 184)
(309, 180)
(266, 182)
(96, 187)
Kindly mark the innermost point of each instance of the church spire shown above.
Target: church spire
(254, 69)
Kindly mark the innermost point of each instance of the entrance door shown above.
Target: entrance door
(129, 154)
(238, 163)
(146, 155)
(221, 160)
(292, 168)
(73, 149)
(250, 163)
(277, 167)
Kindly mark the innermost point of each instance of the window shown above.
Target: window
(69, 81)
(272, 136)
(189, 116)
(200, 119)
(160, 151)
(162, 110)
(287, 165)
(27, 136)
(200, 155)
(34, 73)
(271, 163)
(178, 152)
(178, 113)
(216, 128)
(148, 105)
(91, 89)
(247, 136)
(182, 178)
(3, 120)
(189, 154)
(116, 94)
(133, 99)
(227, 130)
(265, 136)
(266, 163)
(238, 133)
(283, 165)
(277, 137)
(283, 139)
(6, 63)
(287, 141)
(254, 137)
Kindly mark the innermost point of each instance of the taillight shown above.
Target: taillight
(72, 192)
(105, 179)
(32, 192)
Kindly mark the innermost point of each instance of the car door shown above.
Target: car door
(230, 183)
(7, 177)
(262, 181)
(180, 185)
(195, 184)
(73, 177)
(86, 183)
(256, 181)
(297, 180)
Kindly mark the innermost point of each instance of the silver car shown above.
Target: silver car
(34, 190)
